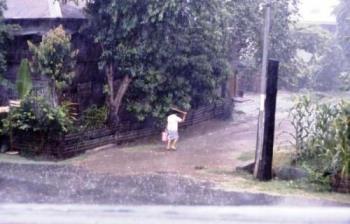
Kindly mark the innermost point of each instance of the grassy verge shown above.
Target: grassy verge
(243, 181)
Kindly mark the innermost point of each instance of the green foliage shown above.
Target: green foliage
(345, 80)
(343, 26)
(35, 115)
(343, 37)
(322, 137)
(283, 42)
(55, 59)
(341, 160)
(5, 84)
(318, 180)
(3, 38)
(94, 117)
(243, 22)
(330, 69)
(320, 58)
(24, 81)
(173, 50)
(2, 127)
(312, 41)
(302, 119)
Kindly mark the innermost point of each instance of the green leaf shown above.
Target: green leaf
(24, 81)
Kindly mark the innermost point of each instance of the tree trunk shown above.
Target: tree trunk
(115, 100)
(54, 97)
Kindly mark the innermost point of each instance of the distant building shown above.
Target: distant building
(36, 18)
(33, 9)
(318, 13)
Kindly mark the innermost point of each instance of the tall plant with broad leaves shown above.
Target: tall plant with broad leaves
(302, 121)
(24, 80)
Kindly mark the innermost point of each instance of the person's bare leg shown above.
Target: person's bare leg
(174, 144)
(169, 143)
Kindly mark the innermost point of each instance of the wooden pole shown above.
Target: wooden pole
(260, 132)
(264, 167)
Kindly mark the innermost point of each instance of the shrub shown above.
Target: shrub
(36, 115)
(322, 134)
(95, 117)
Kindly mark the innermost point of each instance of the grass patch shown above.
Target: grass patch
(299, 188)
(243, 181)
(246, 156)
(282, 158)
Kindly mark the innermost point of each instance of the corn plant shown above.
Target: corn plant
(322, 137)
(341, 157)
(302, 120)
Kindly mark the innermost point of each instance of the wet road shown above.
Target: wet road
(64, 184)
(83, 214)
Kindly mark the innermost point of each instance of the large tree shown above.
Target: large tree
(316, 47)
(343, 24)
(178, 51)
(244, 21)
(5, 36)
(170, 52)
(343, 21)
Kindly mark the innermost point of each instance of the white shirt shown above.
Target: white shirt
(173, 121)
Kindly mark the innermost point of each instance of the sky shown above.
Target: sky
(317, 10)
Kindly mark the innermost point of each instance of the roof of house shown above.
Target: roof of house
(34, 9)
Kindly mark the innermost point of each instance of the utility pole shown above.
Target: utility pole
(264, 165)
(260, 132)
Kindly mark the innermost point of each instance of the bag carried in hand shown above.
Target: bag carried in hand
(164, 136)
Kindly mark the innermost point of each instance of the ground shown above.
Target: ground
(201, 172)
(212, 146)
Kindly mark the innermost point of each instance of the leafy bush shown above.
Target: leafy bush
(2, 128)
(322, 135)
(36, 115)
(95, 117)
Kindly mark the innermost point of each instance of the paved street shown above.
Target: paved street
(82, 214)
(31, 183)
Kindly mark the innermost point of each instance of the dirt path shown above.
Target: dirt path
(213, 145)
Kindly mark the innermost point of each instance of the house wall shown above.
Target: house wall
(87, 87)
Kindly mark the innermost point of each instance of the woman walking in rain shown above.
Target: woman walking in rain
(172, 127)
